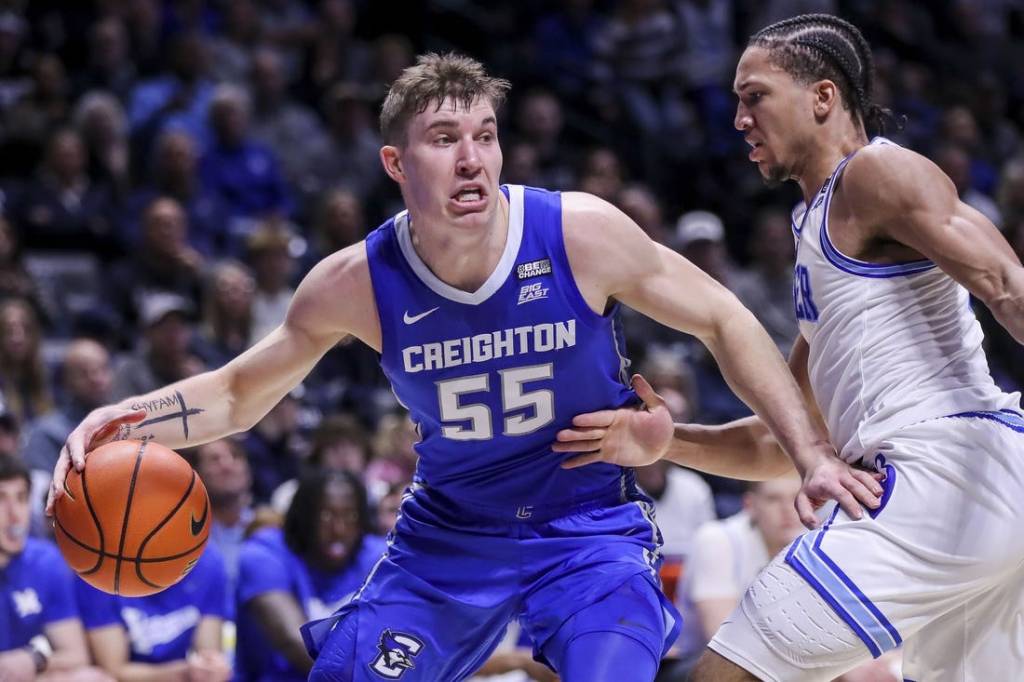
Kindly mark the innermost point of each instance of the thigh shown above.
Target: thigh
(605, 563)
(981, 639)
(401, 627)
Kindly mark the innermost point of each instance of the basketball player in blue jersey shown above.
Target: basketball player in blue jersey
(493, 310)
(889, 355)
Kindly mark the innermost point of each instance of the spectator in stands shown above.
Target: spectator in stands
(223, 465)
(1010, 193)
(86, 382)
(388, 506)
(276, 446)
(171, 635)
(954, 162)
(62, 208)
(99, 119)
(174, 100)
(540, 122)
(394, 458)
(162, 357)
(42, 632)
(564, 45)
(43, 107)
(291, 129)
(175, 175)
(240, 172)
(227, 324)
(24, 380)
(165, 261)
(602, 173)
(301, 572)
(15, 280)
(231, 50)
(639, 203)
(340, 222)
(335, 54)
(339, 444)
(350, 159)
(110, 67)
(766, 287)
(273, 266)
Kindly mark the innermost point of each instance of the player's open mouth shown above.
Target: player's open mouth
(470, 199)
(753, 152)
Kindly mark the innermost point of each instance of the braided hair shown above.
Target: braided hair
(813, 47)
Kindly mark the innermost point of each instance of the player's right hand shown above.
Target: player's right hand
(99, 426)
(627, 436)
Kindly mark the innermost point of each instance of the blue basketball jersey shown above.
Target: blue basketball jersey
(35, 591)
(160, 627)
(491, 376)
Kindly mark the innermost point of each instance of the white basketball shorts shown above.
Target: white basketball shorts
(938, 568)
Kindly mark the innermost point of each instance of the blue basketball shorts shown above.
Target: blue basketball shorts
(438, 602)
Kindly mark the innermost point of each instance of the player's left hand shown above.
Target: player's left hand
(628, 436)
(833, 479)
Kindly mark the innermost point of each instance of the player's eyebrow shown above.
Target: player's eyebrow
(745, 84)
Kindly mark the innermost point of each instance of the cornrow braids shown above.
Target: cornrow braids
(813, 47)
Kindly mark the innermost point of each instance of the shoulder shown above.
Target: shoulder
(336, 296)
(42, 556)
(885, 179)
(602, 239)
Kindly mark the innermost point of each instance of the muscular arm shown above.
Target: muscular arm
(612, 258)
(899, 195)
(335, 299)
(280, 617)
(236, 396)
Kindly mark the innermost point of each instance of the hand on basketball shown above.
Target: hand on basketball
(100, 426)
(628, 436)
(833, 479)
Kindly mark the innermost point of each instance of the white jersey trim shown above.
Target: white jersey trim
(497, 278)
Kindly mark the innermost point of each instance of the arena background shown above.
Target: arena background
(170, 170)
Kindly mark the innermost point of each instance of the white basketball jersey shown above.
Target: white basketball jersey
(890, 344)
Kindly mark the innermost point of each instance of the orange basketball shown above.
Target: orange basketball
(135, 520)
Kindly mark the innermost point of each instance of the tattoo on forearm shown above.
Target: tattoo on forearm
(177, 400)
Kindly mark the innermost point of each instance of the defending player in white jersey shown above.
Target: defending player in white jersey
(890, 354)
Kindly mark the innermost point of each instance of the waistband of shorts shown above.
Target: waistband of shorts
(624, 491)
(1011, 419)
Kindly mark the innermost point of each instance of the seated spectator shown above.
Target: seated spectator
(171, 635)
(110, 66)
(174, 174)
(100, 120)
(302, 572)
(273, 264)
(174, 100)
(224, 468)
(62, 208)
(162, 357)
(226, 329)
(287, 126)
(394, 455)
(24, 379)
(15, 280)
(339, 444)
(243, 174)
(42, 632)
(43, 106)
(86, 380)
(276, 446)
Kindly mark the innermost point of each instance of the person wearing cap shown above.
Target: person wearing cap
(164, 356)
(700, 237)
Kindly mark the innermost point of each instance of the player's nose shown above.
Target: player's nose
(468, 162)
(743, 121)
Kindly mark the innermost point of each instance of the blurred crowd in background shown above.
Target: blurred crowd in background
(170, 169)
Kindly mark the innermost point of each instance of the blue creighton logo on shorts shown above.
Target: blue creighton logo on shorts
(397, 650)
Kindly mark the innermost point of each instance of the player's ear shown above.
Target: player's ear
(826, 96)
(391, 158)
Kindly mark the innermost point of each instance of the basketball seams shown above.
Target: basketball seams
(142, 547)
(127, 516)
(92, 513)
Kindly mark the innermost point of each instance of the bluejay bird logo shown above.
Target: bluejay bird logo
(397, 650)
